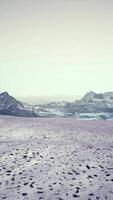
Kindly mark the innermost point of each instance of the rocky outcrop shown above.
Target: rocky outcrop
(10, 106)
(92, 104)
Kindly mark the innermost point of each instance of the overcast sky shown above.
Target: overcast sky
(56, 47)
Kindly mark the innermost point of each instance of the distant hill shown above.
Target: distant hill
(10, 106)
(92, 105)
(47, 99)
(93, 102)
(102, 97)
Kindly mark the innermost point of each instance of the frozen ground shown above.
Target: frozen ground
(55, 159)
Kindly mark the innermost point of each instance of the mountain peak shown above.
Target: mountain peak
(4, 94)
(89, 95)
(10, 106)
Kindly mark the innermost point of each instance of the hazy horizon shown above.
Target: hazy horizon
(48, 99)
(56, 48)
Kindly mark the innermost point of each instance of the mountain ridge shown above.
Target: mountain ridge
(10, 106)
(91, 103)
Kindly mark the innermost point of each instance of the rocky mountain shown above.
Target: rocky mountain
(98, 102)
(10, 106)
(91, 96)
(92, 105)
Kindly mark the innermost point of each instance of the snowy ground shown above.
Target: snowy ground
(55, 159)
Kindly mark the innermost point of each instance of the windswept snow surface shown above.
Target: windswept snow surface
(55, 159)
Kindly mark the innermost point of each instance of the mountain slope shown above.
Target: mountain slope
(10, 106)
(92, 104)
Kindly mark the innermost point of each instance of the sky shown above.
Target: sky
(53, 48)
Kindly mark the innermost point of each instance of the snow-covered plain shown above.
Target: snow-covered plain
(55, 159)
